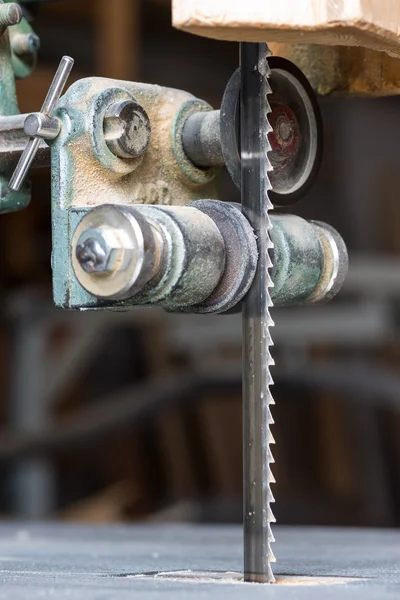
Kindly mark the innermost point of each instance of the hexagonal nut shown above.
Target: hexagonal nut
(114, 252)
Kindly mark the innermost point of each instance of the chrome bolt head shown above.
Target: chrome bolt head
(115, 252)
(98, 250)
(91, 255)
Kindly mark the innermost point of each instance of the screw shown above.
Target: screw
(127, 129)
(26, 43)
(10, 14)
(92, 254)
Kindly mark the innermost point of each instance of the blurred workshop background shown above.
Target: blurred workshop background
(112, 417)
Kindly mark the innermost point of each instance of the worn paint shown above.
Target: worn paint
(85, 173)
(9, 201)
(298, 262)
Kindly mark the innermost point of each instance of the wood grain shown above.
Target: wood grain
(369, 23)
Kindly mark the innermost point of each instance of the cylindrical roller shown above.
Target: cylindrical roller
(201, 258)
(201, 139)
(241, 256)
(194, 256)
(309, 261)
(169, 256)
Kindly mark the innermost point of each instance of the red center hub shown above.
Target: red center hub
(284, 137)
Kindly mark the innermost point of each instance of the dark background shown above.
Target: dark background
(114, 417)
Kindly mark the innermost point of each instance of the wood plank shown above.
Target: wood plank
(370, 23)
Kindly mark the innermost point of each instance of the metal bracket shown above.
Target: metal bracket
(86, 172)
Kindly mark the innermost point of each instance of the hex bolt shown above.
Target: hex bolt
(92, 254)
(26, 43)
(10, 14)
(99, 250)
(115, 252)
(127, 129)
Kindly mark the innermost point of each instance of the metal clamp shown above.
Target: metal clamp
(41, 125)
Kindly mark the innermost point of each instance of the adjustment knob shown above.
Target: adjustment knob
(41, 125)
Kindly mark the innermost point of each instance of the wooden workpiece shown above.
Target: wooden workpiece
(370, 23)
(342, 46)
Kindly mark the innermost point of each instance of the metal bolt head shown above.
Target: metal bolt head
(127, 129)
(26, 43)
(33, 43)
(91, 255)
(98, 250)
(115, 252)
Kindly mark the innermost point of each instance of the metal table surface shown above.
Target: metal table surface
(103, 563)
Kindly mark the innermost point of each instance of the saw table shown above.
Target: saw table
(172, 562)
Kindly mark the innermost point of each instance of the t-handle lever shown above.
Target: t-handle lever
(41, 125)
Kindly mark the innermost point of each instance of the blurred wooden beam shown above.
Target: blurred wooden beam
(118, 25)
(32, 90)
(72, 8)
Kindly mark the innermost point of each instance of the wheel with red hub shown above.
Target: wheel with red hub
(296, 138)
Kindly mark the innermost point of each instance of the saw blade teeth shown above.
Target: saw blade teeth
(267, 337)
(265, 71)
(271, 517)
(271, 557)
(271, 478)
(271, 577)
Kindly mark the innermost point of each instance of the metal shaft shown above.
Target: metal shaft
(54, 93)
(257, 458)
(24, 164)
(201, 139)
(57, 85)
